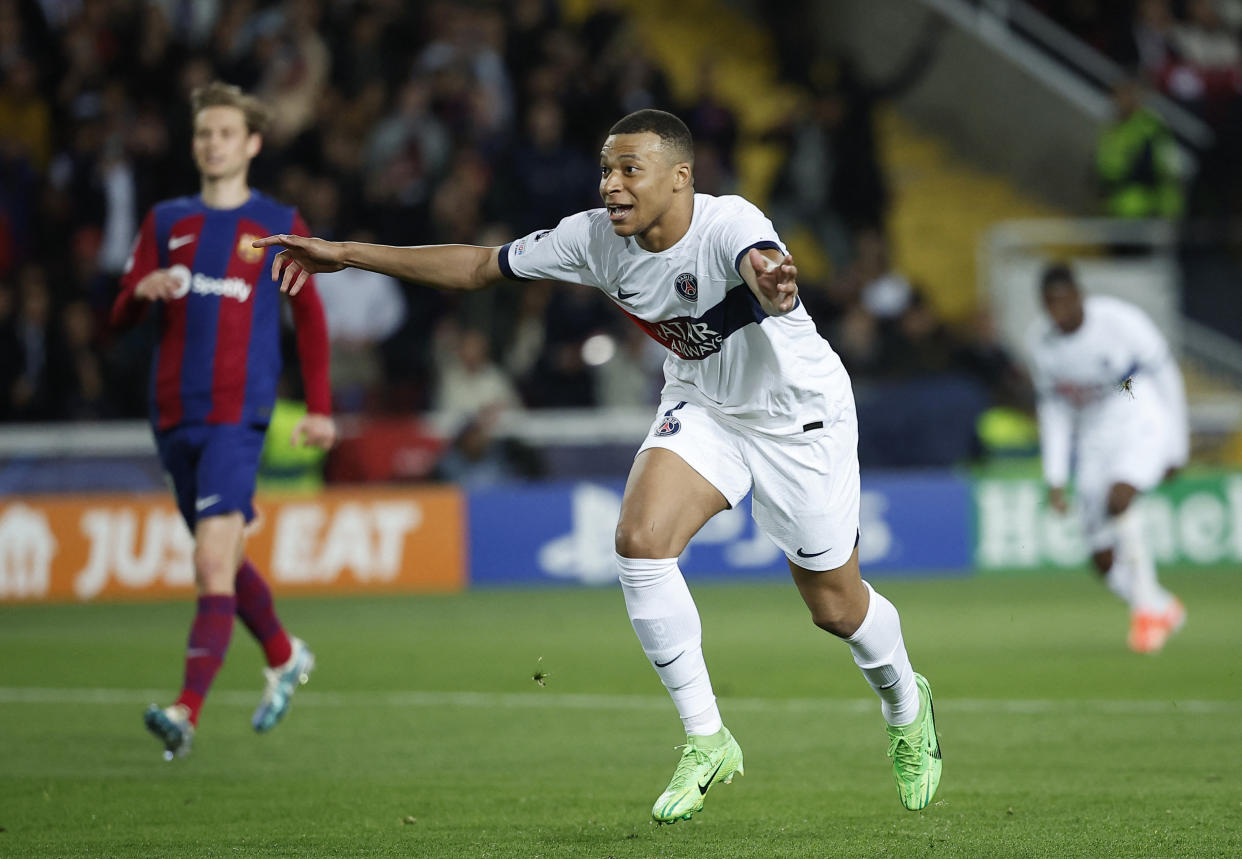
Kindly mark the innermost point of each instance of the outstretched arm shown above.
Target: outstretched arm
(441, 266)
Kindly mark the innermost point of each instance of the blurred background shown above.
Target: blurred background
(922, 158)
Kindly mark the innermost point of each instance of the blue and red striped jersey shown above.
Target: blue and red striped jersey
(217, 358)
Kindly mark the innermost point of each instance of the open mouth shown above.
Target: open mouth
(617, 212)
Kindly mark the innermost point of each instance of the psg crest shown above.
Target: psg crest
(687, 286)
(668, 426)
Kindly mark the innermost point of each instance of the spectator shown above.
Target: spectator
(32, 394)
(25, 117)
(548, 177)
(1146, 42)
(1136, 161)
(295, 68)
(832, 180)
(478, 458)
(362, 310)
(78, 372)
(468, 380)
(631, 376)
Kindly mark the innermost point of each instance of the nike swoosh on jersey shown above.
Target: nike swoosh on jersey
(625, 296)
(175, 242)
(202, 504)
(802, 554)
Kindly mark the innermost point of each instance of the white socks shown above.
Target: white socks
(668, 627)
(1133, 573)
(881, 655)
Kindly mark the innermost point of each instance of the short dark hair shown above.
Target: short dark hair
(1057, 274)
(671, 130)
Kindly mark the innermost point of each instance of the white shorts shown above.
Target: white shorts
(1133, 452)
(806, 492)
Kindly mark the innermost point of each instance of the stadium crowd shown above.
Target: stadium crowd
(1191, 51)
(401, 123)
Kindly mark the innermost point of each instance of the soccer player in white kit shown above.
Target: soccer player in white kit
(1111, 401)
(754, 399)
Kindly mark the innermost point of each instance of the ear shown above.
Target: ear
(253, 144)
(683, 176)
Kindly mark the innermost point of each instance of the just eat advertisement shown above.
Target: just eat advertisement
(136, 546)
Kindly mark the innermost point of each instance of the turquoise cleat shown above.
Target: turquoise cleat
(282, 682)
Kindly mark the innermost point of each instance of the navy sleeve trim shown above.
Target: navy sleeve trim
(763, 246)
(505, 268)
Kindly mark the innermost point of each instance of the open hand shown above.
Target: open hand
(314, 430)
(301, 258)
(777, 281)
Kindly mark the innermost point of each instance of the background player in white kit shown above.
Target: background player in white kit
(1111, 401)
(753, 398)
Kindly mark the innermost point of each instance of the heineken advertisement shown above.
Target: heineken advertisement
(1195, 520)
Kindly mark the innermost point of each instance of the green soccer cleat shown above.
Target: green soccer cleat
(705, 761)
(282, 682)
(173, 728)
(915, 751)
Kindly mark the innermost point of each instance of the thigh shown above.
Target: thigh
(807, 495)
(179, 450)
(227, 470)
(688, 470)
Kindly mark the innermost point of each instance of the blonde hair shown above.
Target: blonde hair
(220, 94)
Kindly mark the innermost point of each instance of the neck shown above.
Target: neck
(668, 228)
(225, 193)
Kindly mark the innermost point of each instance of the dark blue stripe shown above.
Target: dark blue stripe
(739, 309)
(763, 246)
(680, 405)
(505, 268)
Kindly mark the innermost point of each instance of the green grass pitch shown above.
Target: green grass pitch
(423, 733)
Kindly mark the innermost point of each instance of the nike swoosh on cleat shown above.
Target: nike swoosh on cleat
(625, 296)
(670, 662)
(703, 787)
(802, 554)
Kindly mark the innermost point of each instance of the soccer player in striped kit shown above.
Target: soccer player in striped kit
(213, 386)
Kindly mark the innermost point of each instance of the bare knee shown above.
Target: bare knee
(1120, 496)
(214, 570)
(1103, 560)
(836, 617)
(642, 541)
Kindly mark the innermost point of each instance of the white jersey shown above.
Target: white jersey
(775, 375)
(1110, 389)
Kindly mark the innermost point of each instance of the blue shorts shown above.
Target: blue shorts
(212, 467)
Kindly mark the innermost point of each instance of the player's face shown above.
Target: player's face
(638, 177)
(1063, 302)
(222, 145)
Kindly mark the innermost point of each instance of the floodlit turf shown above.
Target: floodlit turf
(423, 733)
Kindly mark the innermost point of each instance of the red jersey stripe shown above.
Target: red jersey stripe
(172, 331)
(233, 325)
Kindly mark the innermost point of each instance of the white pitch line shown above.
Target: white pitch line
(591, 701)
